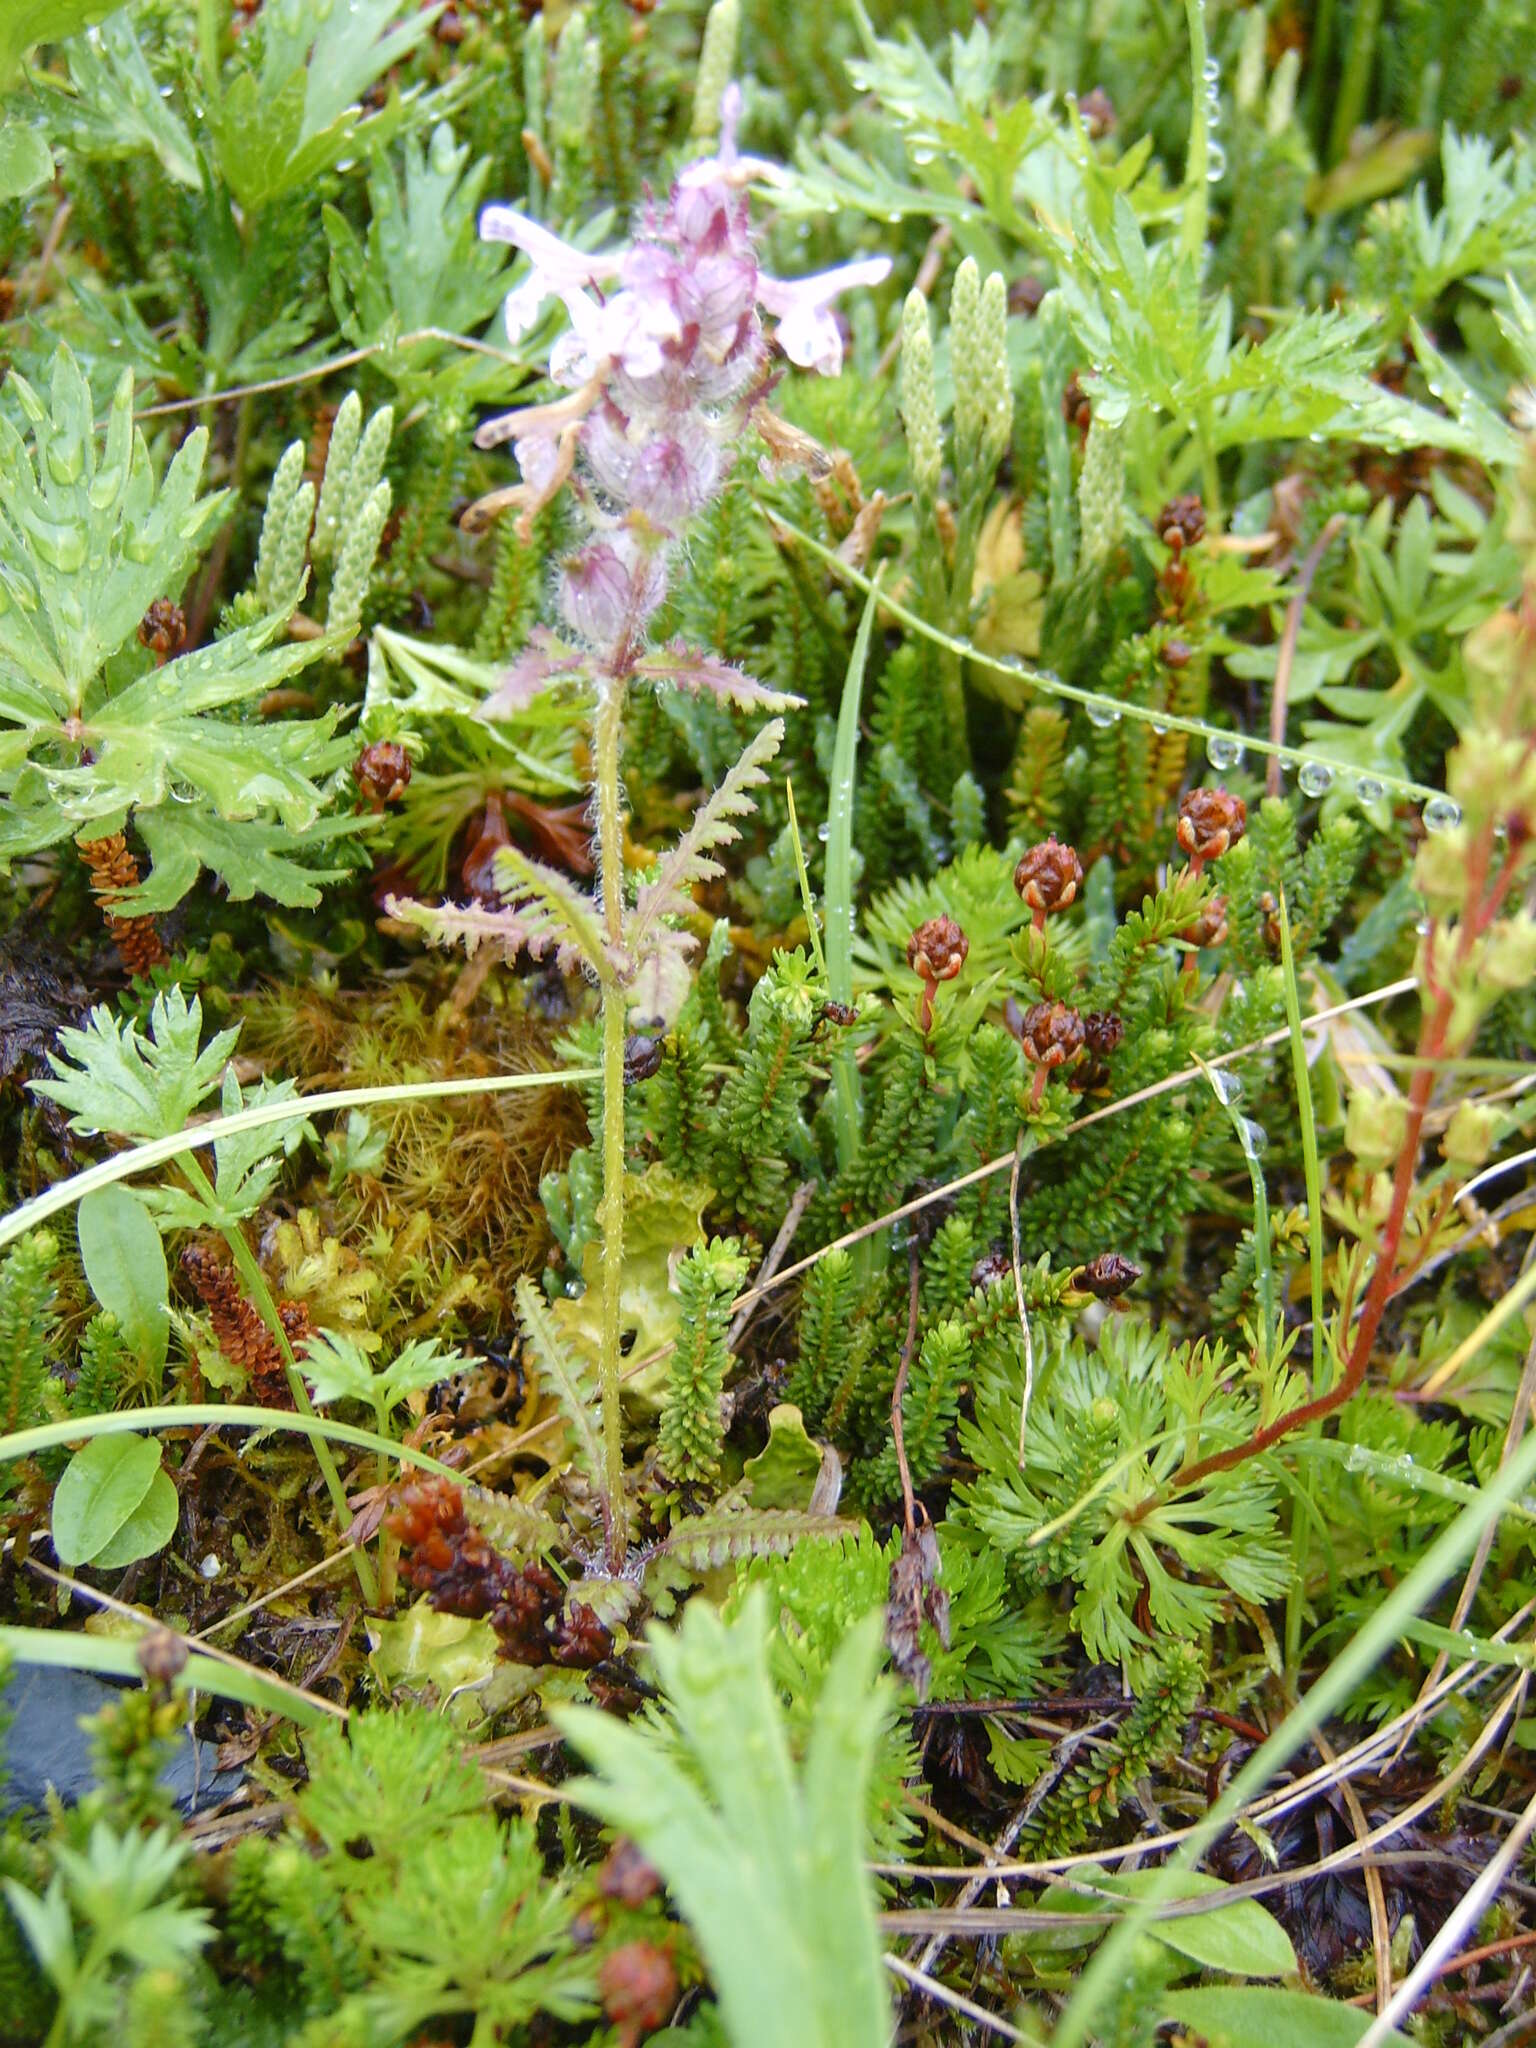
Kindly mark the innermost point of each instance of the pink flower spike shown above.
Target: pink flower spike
(807, 332)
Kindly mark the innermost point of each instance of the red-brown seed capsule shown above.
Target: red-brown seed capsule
(1108, 1275)
(381, 772)
(628, 1876)
(1098, 112)
(937, 949)
(163, 628)
(1210, 927)
(1210, 820)
(1051, 1034)
(1025, 295)
(478, 869)
(989, 1268)
(1182, 521)
(162, 1656)
(638, 1985)
(1103, 1032)
(1048, 878)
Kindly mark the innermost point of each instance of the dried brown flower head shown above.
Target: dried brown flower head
(162, 1656)
(448, 1559)
(642, 1057)
(1048, 878)
(989, 1268)
(238, 1329)
(381, 772)
(114, 871)
(1210, 820)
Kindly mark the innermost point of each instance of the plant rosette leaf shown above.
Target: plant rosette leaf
(1255, 2016)
(1241, 1939)
(785, 1471)
(107, 1507)
(661, 1212)
(450, 1658)
(124, 1262)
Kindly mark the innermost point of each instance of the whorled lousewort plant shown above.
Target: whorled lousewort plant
(666, 362)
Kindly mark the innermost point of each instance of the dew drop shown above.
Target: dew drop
(1222, 750)
(1369, 790)
(1228, 1087)
(1159, 731)
(1315, 778)
(1253, 1137)
(61, 547)
(1442, 814)
(1424, 927)
(823, 831)
(1215, 164)
(1211, 71)
(1103, 716)
(210, 1566)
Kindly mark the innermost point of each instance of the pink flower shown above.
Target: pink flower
(559, 271)
(807, 332)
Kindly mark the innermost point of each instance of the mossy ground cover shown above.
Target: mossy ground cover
(766, 1023)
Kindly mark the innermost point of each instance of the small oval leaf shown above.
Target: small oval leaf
(124, 1262)
(148, 1529)
(100, 1488)
(1251, 2016)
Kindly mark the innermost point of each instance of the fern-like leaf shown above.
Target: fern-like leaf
(561, 1376)
(714, 826)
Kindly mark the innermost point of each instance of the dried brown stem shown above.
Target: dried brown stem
(898, 1395)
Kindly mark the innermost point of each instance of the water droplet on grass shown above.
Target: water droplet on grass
(1223, 750)
(1442, 814)
(1315, 778)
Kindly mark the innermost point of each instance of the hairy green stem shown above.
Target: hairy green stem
(606, 736)
(261, 1300)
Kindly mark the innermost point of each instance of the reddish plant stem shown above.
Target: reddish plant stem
(1483, 899)
(898, 1395)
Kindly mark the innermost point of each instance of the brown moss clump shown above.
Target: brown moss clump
(459, 1177)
